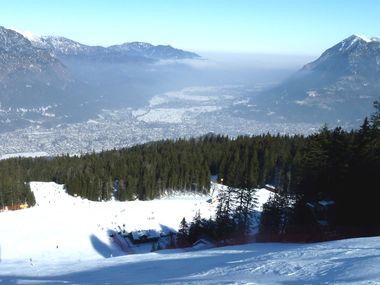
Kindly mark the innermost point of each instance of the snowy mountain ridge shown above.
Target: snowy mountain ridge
(61, 46)
(368, 39)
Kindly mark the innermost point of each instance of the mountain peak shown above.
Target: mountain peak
(351, 43)
(360, 37)
(139, 44)
(348, 55)
(58, 45)
(354, 41)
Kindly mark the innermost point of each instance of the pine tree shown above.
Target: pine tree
(244, 211)
(375, 118)
(183, 234)
(225, 224)
(273, 218)
(195, 228)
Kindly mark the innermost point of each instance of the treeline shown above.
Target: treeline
(13, 187)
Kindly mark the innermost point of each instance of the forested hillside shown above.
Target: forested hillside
(146, 171)
(333, 165)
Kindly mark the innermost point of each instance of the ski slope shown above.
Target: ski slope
(63, 227)
(65, 240)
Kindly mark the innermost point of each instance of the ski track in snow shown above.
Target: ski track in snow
(64, 240)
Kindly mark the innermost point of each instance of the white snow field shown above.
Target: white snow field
(65, 240)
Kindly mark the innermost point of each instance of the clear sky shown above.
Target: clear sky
(250, 26)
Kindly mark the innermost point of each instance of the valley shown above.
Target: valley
(189, 112)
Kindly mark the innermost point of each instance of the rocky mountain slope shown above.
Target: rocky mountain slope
(28, 74)
(339, 87)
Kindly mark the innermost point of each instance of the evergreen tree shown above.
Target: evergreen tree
(273, 219)
(224, 215)
(375, 118)
(244, 212)
(183, 234)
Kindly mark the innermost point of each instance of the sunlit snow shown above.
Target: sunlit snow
(64, 240)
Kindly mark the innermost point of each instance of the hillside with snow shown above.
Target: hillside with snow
(66, 240)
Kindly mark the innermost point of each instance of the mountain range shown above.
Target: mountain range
(62, 48)
(52, 79)
(337, 88)
(49, 79)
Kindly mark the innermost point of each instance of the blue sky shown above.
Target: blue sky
(305, 27)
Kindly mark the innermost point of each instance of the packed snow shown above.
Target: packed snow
(65, 240)
(62, 227)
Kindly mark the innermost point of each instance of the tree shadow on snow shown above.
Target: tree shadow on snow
(102, 248)
(176, 270)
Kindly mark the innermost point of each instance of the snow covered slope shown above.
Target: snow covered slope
(62, 227)
(64, 240)
(353, 261)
